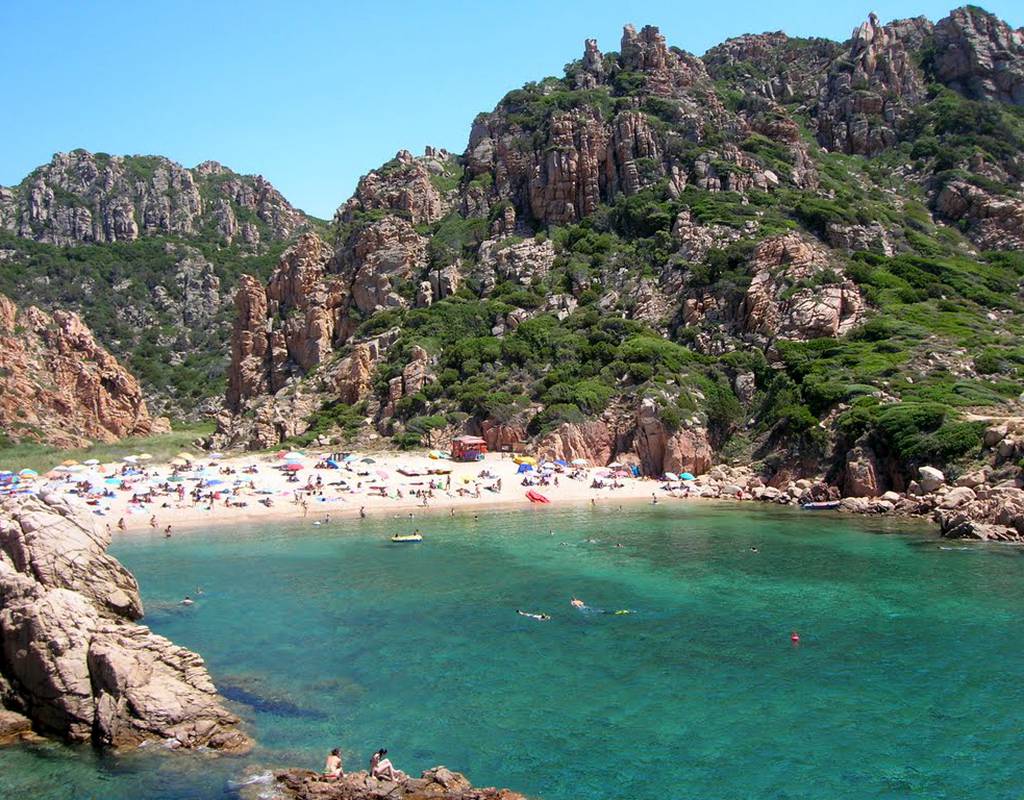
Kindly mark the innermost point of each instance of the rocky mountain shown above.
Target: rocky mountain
(94, 197)
(148, 253)
(797, 253)
(60, 387)
(74, 661)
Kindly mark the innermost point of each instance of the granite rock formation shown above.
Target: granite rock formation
(59, 386)
(73, 659)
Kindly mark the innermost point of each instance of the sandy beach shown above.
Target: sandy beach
(263, 488)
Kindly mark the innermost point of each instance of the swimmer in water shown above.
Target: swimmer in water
(542, 617)
(167, 532)
(753, 550)
(187, 601)
(577, 603)
(794, 637)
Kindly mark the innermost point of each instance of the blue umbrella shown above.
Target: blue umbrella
(686, 476)
(561, 462)
(525, 468)
(332, 463)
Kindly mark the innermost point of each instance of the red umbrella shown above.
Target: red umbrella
(293, 467)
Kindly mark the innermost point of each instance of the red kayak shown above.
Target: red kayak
(536, 497)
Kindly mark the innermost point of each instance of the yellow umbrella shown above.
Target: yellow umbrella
(178, 462)
(145, 457)
(184, 456)
(68, 463)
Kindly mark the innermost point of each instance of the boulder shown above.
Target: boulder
(861, 473)
(956, 497)
(930, 479)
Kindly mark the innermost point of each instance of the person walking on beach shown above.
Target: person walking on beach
(362, 512)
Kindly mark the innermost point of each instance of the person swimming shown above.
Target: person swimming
(794, 637)
(577, 603)
(539, 616)
(188, 601)
(753, 550)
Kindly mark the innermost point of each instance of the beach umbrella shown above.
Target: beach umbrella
(177, 462)
(130, 459)
(75, 468)
(368, 461)
(68, 462)
(92, 462)
(580, 462)
(561, 462)
(293, 467)
(145, 457)
(615, 464)
(184, 456)
(670, 476)
(435, 454)
(350, 458)
(332, 463)
(216, 455)
(293, 455)
(686, 476)
(28, 473)
(524, 468)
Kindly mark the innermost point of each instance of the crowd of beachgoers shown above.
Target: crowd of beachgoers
(195, 489)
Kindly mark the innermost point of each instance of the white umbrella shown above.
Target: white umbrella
(294, 455)
(92, 462)
(580, 462)
(216, 455)
(615, 464)
(130, 459)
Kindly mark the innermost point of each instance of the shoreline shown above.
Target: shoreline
(291, 488)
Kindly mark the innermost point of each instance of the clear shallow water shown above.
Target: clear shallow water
(907, 682)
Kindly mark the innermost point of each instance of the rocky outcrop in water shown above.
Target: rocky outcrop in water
(438, 783)
(73, 659)
(59, 386)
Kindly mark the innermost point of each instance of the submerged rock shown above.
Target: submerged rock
(71, 658)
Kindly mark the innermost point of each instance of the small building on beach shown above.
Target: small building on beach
(468, 448)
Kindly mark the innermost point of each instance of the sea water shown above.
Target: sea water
(906, 682)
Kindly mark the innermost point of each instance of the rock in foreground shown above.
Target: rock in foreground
(71, 658)
(438, 783)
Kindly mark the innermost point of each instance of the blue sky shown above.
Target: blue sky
(314, 94)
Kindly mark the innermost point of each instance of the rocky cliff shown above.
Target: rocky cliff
(148, 253)
(72, 658)
(771, 253)
(60, 387)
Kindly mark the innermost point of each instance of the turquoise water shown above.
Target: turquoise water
(907, 681)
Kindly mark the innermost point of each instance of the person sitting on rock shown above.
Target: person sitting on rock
(382, 768)
(332, 768)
